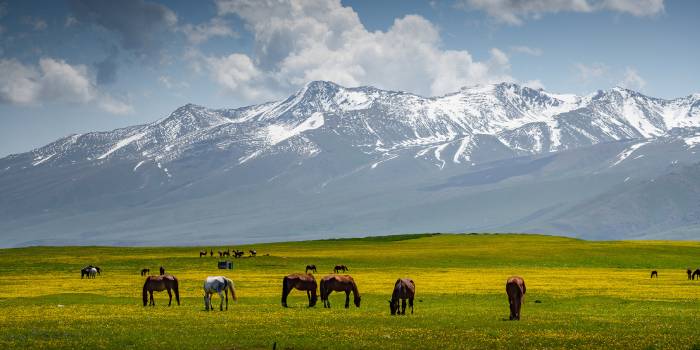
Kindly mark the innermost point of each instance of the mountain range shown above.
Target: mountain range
(331, 161)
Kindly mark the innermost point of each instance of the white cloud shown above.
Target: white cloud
(532, 51)
(70, 21)
(37, 23)
(52, 80)
(299, 41)
(169, 83)
(589, 73)
(197, 34)
(111, 105)
(534, 84)
(515, 12)
(632, 80)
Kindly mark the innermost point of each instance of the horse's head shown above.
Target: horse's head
(357, 301)
(393, 306)
(314, 299)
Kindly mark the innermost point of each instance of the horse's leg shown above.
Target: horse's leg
(152, 302)
(347, 299)
(226, 295)
(410, 303)
(221, 303)
(403, 306)
(170, 295)
(206, 306)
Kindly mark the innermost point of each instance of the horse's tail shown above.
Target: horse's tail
(322, 289)
(176, 289)
(145, 293)
(233, 291)
(285, 290)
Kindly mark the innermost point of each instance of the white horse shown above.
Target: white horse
(93, 272)
(218, 284)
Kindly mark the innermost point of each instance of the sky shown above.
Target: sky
(77, 66)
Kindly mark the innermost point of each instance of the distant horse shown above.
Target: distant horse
(301, 282)
(145, 272)
(339, 268)
(98, 269)
(339, 283)
(218, 284)
(88, 272)
(211, 252)
(162, 271)
(253, 252)
(696, 273)
(515, 288)
(404, 288)
(202, 253)
(159, 284)
(654, 274)
(227, 252)
(238, 253)
(221, 254)
(690, 273)
(311, 267)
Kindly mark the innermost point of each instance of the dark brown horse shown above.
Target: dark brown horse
(339, 268)
(145, 272)
(211, 252)
(515, 287)
(404, 288)
(159, 284)
(202, 253)
(253, 252)
(696, 273)
(238, 253)
(654, 274)
(162, 271)
(311, 268)
(690, 273)
(301, 282)
(339, 283)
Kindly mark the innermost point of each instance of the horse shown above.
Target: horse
(515, 288)
(159, 284)
(253, 253)
(202, 253)
(404, 288)
(162, 271)
(654, 274)
(221, 254)
(690, 273)
(98, 269)
(238, 253)
(339, 268)
(218, 284)
(145, 272)
(302, 282)
(226, 252)
(88, 272)
(339, 283)
(211, 252)
(311, 267)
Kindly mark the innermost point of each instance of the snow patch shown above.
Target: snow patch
(122, 143)
(626, 153)
(40, 160)
(277, 133)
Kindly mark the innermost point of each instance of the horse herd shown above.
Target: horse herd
(227, 253)
(90, 271)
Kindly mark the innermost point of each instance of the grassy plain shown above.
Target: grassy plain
(595, 295)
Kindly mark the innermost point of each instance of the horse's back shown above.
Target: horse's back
(515, 284)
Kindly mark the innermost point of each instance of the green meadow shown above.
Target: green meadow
(580, 294)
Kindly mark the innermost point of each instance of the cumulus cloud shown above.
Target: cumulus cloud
(51, 80)
(170, 83)
(515, 12)
(299, 41)
(632, 80)
(587, 73)
(532, 51)
(139, 24)
(111, 105)
(197, 34)
(534, 84)
(37, 23)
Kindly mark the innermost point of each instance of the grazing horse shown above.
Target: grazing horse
(88, 272)
(238, 253)
(253, 252)
(159, 284)
(339, 268)
(339, 283)
(202, 253)
(654, 274)
(515, 288)
(145, 272)
(696, 273)
(690, 273)
(211, 252)
(301, 282)
(227, 252)
(311, 267)
(404, 288)
(218, 284)
(162, 271)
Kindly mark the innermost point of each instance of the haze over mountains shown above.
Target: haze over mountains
(331, 161)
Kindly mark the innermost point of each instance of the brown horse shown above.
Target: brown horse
(339, 283)
(339, 268)
(696, 273)
(301, 282)
(690, 273)
(145, 272)
(311, 268)
(404, 288)
(654, 274)
(202, 253)
(515, 287)
(159, 284)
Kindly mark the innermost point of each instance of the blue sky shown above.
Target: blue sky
(77, 66)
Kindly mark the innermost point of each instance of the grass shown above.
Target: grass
(593, 295)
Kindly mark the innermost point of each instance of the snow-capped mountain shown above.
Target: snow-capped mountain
(325, 144)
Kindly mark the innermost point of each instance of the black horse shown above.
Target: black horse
(311, 268)
(690, 273)
(145, 272)
(696, 273)
(654, 274)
